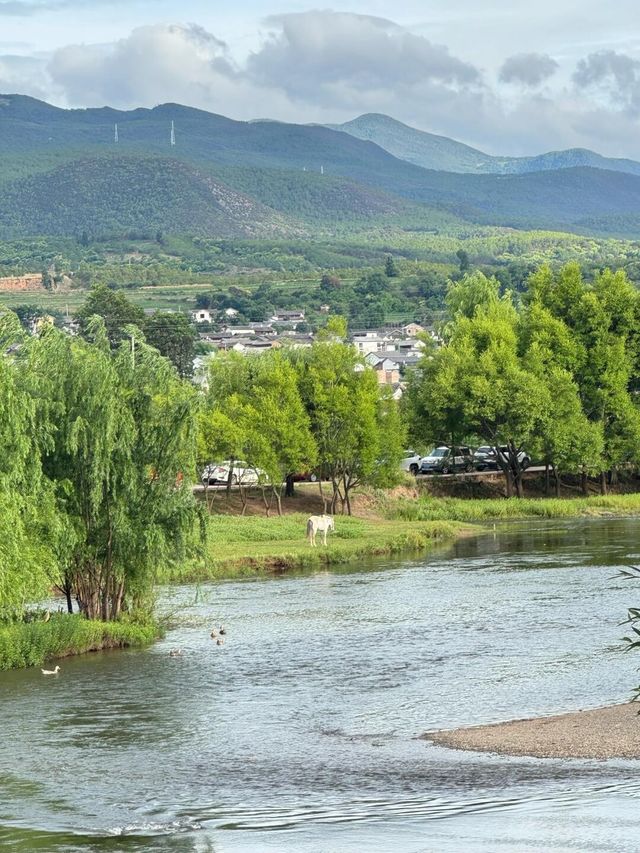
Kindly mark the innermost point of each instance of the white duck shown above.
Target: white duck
(51, 671)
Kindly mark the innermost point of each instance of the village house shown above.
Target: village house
(373, 341)
(238, 331)
(412, 330)
(202, 315)
(287, 317)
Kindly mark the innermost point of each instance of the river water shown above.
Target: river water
(300, 733)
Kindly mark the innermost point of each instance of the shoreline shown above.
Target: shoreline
(262, 547)
(26, 644)
(598, 733)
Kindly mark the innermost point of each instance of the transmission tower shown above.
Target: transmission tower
(115, 133)
(173, 134)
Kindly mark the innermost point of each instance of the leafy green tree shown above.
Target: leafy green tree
(356, 428)
(471, 292)
(116, 433)
(173, 336)
(602, 319)
(253, 414)
(30, 530)
(477, 385)
(390, 269)
(115, 309)
(463, 260)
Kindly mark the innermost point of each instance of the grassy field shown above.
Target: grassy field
(246, 546)
(176, 298)
(483, 509)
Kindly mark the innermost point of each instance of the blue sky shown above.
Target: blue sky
(510, 77)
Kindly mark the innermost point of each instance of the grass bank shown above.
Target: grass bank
(32, 643)
(245, 546)
(478, 510)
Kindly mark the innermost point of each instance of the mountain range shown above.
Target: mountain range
(443, 154)
(67, 171)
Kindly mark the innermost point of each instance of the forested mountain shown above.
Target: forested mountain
(62, 172)
(439, 152)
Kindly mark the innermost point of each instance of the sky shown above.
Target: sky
(510, 77)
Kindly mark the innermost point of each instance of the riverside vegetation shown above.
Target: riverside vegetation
(102, 438)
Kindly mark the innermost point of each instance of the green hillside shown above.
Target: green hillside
(62, 173)
(443, 154)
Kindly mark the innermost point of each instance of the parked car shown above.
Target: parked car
(242, 475)
(447, 460)
(485, 459)
(304, 477)
(410, 462)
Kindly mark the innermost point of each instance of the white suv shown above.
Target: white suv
(410, 462)
(242, 475)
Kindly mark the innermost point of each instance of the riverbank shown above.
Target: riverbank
(420, 508)
(601, 733)
(243, 546)
(32, 643)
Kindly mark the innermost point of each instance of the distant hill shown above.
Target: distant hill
(61, 172)
(443, 154)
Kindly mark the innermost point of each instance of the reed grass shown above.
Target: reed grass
(491, 509)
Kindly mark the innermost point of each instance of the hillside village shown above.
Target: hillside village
(389, 350)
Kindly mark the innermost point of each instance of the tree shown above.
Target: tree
(30, 529)
(116, 438)
(473, 291)
(602, 319)
(390, 269)
(478, 385)
(566, 439)
(355, 426)
(254, 413)
(173, 336)
(115, 309)
(330, 283)
(463, 260)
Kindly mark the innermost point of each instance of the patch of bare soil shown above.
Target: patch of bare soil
(306, 499)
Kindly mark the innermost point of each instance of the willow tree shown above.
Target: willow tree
(29, 525)
(117, 443)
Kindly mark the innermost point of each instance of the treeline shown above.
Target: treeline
(555, 371)
(101, 440)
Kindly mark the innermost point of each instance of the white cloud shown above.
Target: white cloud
(528, 69)
(614, 76)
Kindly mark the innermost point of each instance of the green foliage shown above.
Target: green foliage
(484, 509)
(32, 643)
(356, 427)
(116, 433)
(115, 310)
(254, 413)
(556, 375)
(172, 335)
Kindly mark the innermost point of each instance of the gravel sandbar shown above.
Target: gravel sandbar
(612, 732)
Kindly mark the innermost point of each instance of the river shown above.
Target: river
(300, 733)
